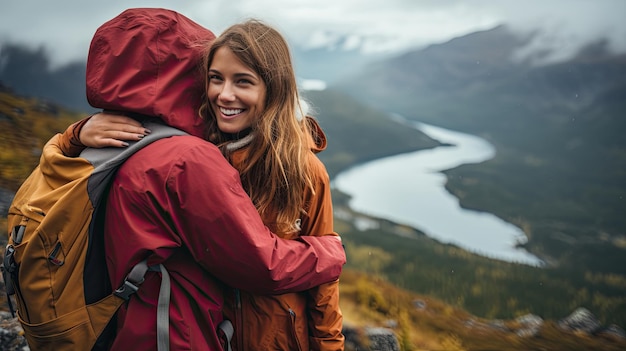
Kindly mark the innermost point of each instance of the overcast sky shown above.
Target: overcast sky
(65, 27)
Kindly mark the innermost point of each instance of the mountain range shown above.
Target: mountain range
(558, 127)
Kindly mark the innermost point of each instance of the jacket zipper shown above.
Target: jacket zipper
(239, 321)
(292, 314)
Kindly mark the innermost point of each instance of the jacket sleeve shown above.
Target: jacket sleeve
(325, 317)
(223, 230)
(69, 141)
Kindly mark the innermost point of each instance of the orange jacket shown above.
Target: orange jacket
(310, 320)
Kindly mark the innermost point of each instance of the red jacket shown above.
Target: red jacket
(178, 201)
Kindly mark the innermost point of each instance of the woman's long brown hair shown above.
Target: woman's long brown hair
(276, 171)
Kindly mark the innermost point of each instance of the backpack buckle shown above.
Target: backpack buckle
(53, 256)
(9, 269)
(9, 272)
(126, 290)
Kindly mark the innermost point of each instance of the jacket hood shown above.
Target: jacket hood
(318, 137)
(146, 61)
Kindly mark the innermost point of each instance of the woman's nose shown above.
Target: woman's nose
(227, 93)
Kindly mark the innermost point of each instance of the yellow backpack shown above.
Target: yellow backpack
(54, 262)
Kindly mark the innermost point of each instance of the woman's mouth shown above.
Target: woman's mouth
(230, 112)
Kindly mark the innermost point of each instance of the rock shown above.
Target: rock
(419, 304)
(614, 331)
(581, 320)
(498, 324)
(11, 334)
(530, 325)
(370, 339)
(382, 339)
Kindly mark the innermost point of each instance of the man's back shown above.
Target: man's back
(141, 222)
(179, 203)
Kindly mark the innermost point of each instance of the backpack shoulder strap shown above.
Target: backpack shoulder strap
(131, 284)
(106, 160)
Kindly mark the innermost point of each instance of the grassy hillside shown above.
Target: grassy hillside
(422, 322)
(25, 125)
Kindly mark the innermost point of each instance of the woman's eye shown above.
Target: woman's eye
(214, 77)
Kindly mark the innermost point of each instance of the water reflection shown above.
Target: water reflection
(409, 189)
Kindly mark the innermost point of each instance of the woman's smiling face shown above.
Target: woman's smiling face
(236, 92)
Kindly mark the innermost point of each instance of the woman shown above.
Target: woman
(253, 113)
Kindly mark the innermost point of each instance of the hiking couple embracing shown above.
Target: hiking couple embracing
(238, 210)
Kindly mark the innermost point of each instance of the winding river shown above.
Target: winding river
(409, 189)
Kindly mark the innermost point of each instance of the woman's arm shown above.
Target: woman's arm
(110, 129)
(325, 318)
(103, 129)
(69, 141)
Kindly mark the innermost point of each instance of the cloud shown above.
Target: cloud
(562, 28)
(65, 27)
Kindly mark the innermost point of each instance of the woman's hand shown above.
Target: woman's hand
(108, 129)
